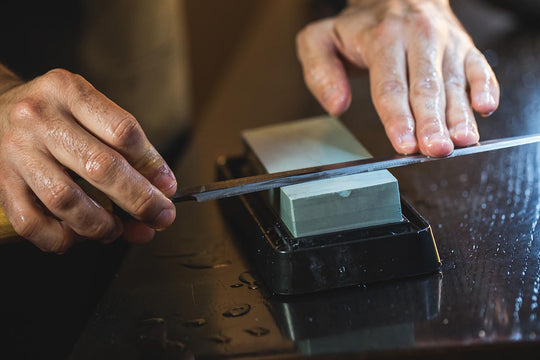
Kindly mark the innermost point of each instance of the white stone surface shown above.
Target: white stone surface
(328, 205)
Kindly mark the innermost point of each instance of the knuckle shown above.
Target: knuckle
(481, 72)
(26, 225)
(28, 109)
(143, 204)
(482, 77)
(126, 133)
(61, 79)
(387, 29)
(424, 22)
(98, 230)
(306, 33)
(390, 87)
(58, 77)
(454, 82)
(315, 72)
(312, 35)
(53, 80)
(317, 76)
(61, 196)
(101, 165)
(398, 124)
(426, 86)
(431, 125)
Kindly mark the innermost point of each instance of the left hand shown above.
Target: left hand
(426, 74)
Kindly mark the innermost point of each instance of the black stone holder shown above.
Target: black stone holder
(290, 265)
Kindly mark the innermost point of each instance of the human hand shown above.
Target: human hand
(425, 72)
(57, 125)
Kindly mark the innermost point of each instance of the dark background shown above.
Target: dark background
(47, 299)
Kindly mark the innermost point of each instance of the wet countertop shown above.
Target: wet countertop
(193, 292)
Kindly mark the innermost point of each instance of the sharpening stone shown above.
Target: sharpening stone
(328, 205)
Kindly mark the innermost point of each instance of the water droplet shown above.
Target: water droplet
(237, 285)
(247, 278)
(178, 345)
(152, 321)
(220, 338)
(195, 322)
(257, 331)
(196, 263)
(237, 310)
(482, 333)
(152, 335)
(445, 321)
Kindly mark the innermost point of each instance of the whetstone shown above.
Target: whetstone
(328, 205)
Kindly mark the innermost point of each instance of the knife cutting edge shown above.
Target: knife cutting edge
(250, 184)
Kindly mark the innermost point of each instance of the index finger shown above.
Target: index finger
(117, 128)
(388, 78)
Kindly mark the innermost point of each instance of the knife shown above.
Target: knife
(250, 184)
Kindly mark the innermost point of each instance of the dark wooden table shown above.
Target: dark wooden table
(484, 210)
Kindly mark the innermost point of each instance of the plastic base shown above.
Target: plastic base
(290, 265)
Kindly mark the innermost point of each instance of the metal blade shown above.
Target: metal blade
(246, 185)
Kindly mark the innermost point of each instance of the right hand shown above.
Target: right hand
(56, 124)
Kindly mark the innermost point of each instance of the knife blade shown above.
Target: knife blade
(250, 184)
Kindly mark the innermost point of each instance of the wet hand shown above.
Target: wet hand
(57, 125)
(426, 75)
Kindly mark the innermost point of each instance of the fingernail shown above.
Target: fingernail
(439, 145)
(165, 180)
(164, 219)
(465, 134)
(408, 143)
